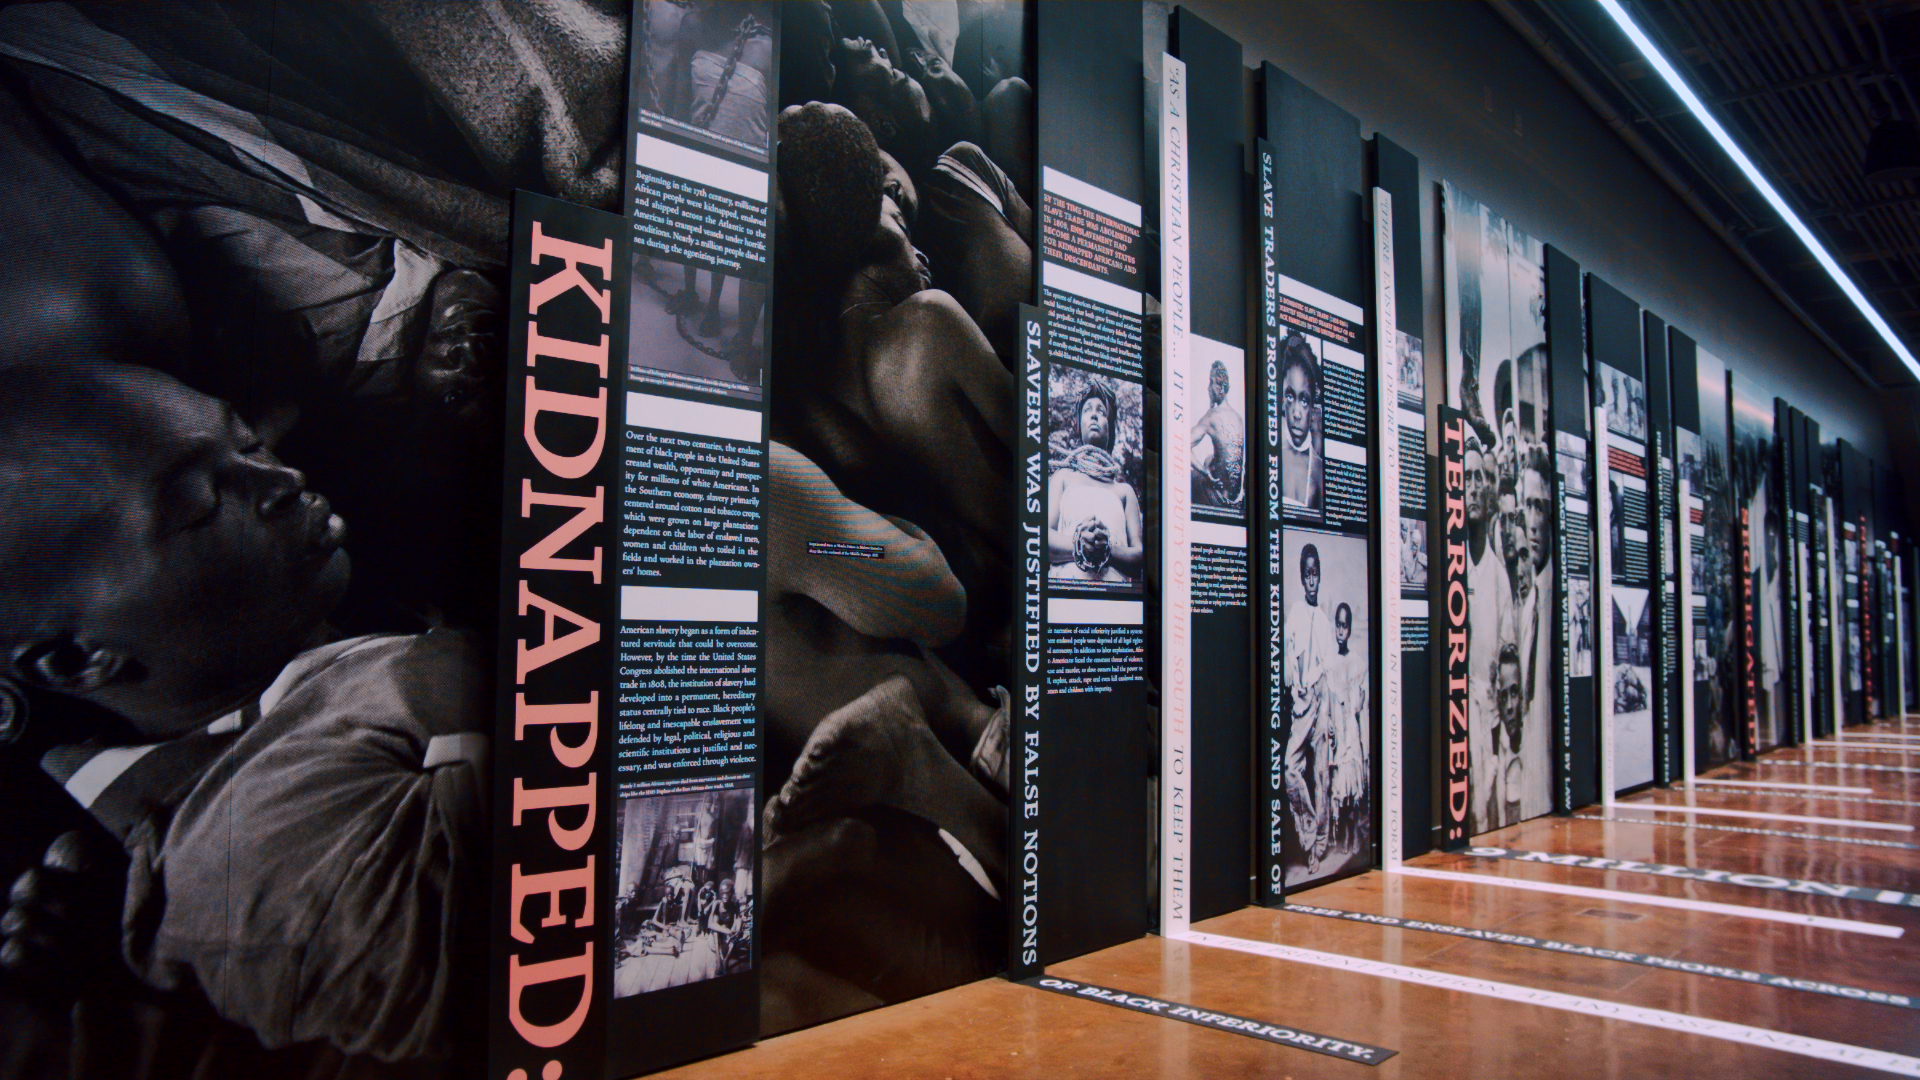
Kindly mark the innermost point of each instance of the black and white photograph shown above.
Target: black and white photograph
(1629, 690)
(1096, 472)
(1413, 372)
(1625, 398)
(1854, 681)
(1328, 681)
(902, 253)
(1706, 463)
(1496, 368)
(289, 237)
(1303, 435)
(1220, 433)
(1570, 456)
(1616, 524)
(1413, 556)
(1759, 545)
(705, 71)
(683, 889)
(279, 232)
(695, 328)
(1580, 627)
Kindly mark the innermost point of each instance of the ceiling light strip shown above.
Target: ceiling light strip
(1699, 109)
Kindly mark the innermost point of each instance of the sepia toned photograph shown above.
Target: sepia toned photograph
(695, 328)
(684, 889)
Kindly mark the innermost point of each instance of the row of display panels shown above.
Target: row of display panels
(1151, 574)
(899, 424)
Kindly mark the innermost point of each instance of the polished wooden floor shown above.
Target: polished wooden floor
(997, 1029)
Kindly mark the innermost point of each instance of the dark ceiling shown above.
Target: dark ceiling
(1800, 84)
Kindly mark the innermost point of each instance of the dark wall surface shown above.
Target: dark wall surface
(1477, 105)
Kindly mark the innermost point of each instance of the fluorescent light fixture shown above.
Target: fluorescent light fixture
(1699, 109)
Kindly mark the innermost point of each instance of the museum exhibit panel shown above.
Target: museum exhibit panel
(1497, 376)
(1576, 745)
(1627, 687)
(589, 539)
(1315, 556)
(1402, 480)
(1213, 464)
(1663, 535)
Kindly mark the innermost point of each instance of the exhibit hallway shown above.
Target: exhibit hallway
(600, 539)
(1469, 976)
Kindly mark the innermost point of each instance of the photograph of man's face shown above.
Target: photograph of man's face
(1508, 694)
(1483, 497)
(1096, 425)
(1297, 399)
(1538, 505)
(1519, 556)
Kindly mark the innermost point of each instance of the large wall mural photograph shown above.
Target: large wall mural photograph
(1707, 465)
(266, 358)
(906, 211)
(1496, 372)
(1759, 526)
(251, 515)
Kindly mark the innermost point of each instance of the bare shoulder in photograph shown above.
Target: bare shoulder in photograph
(1220, 434)
(903, 253)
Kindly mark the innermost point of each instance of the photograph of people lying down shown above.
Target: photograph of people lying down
(250, 415)
(901, 253)
(251, 388)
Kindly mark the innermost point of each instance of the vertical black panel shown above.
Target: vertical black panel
(1028, 765)
(1661, 453)
(1094, 809)
(1222, 730)
(1886, 538)
(1317, 470)
(1683, 377)
(1216, 147)
(1786, 501)
(1716, 626)
(1319, 219)
(1659, 383)
(1626, 686)
(1089, 109)
(1398, 172)
(689, 734)
(1453, 626)
(1576, 739)
(1814, 469)
(550, 977)
(1613, 321)
(1750, 427)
